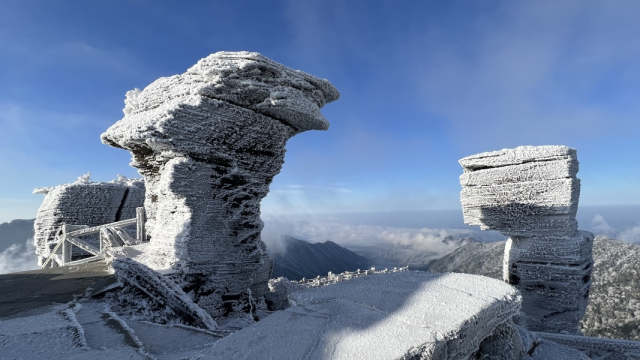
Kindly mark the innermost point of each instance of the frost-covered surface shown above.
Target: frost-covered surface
(164, 292)
(84, 203)
(614, 298)
(554, 279)
(531, 193)
(261, 277)
(385, 316)
(89, 329)
(526, 191)
(597, 348)
(208, 144)
(614, 302)
(277, 298)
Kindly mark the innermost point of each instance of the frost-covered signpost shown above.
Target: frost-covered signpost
(208, 144)
(531, 195)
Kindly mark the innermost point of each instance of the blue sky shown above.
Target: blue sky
(423, 84)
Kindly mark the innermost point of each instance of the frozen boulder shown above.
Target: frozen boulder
(208, 144)
(526, 191)
(405, 315)
(84, 202)
(277, 298)
(531, 194)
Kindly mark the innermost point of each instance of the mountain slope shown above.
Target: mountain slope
(399, 255)
(476, 258)
(15, 232)
(300, 259)
(614, 300)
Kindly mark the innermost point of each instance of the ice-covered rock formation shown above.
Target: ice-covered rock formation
(531, 194)
(84, 203)
(402, 315)
(208, 144)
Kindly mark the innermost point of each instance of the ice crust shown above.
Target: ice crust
(531, 194)
(84, 203)
(517, 156)
(208, 144)
(162, 290)
(524, 191)
(554, 276)
(407, 315)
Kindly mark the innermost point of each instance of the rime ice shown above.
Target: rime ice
(208, 144)
(403, 315)
(84, 203)
(531, 193)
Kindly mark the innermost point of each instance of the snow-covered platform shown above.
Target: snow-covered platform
(386, 316)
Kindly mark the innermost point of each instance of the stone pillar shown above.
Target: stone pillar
(208, 144)
(531, 195)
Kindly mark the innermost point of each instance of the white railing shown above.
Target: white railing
(332, 278)
(111, 235)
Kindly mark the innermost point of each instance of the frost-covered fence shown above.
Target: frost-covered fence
(332, 278)
(111, 235)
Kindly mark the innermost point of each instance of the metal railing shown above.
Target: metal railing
(332, 278)
(111, 235)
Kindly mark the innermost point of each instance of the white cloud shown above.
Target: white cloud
(537, 72)
(631, 235)
(302, 188)
(600, 226)
(320, 229)
(18, 257)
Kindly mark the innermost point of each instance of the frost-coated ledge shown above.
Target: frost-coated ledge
(385, 316)
(519, 155)
(526, 191)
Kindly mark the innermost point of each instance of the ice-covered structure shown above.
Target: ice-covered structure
(84, 202)
(208, 144)
(531, 195)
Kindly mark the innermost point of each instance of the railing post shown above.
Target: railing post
(140, 220)
(102, 240)
(66, 246)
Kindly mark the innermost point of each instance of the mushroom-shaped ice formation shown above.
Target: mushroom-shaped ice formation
(208, 144)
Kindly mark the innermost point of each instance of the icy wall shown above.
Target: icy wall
(84, 203)
(531, 194)
(208, 144)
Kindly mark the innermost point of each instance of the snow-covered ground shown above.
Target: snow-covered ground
(376, 317)
(88, 329)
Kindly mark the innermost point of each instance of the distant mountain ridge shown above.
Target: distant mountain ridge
(614, 300)
(15, 232)
(394, 255)
(300, 259)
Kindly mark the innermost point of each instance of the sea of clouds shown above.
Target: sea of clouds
(414, 232)
(354, 236)
(19, 257)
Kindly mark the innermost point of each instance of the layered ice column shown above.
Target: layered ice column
(531, 194)
(208, 144)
